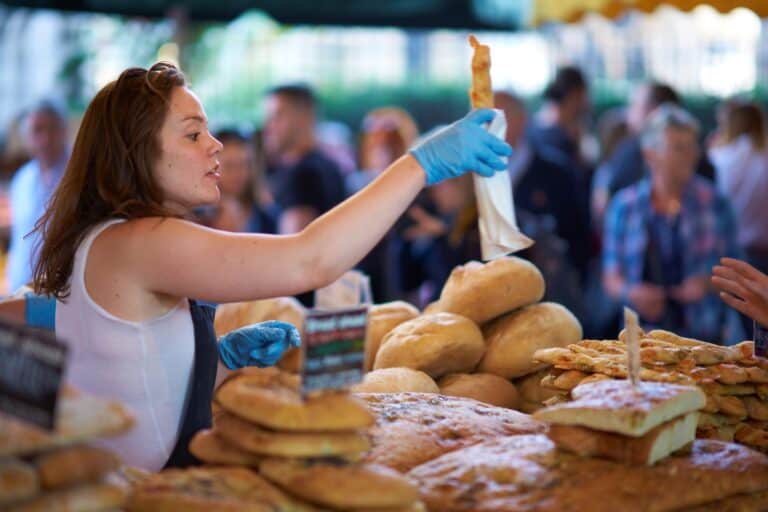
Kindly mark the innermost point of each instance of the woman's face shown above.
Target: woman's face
(188, 168)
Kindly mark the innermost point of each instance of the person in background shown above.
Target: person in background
(561, 122)
(386, 133)
(304, 182)
(544, 187)
(627, 165)
(740, 157)
(142, 161)
(612, 129)
(45, 130)
(664, 234)
(243, 206)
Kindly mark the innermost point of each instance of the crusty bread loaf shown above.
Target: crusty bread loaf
(258, 440)
(225, 489)
(412, 428)
(209, 447)
(271, 398)
(382, 318)
(513, 338)
(483, 387)
(341, 485)
(396, 380)
(647, 449)
(482, 292)
(435, 344)
(527, 474)
(618, 406)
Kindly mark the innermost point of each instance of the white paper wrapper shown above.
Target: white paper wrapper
(351, 289)
(499, 234)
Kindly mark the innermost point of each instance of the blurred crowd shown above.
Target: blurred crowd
(639, 218)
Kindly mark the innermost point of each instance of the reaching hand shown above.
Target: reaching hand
(743, 287)
(462, 147)
(259, 344)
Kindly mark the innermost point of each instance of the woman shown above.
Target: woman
(122, 263)
(740, 157)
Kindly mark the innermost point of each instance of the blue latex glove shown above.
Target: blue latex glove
(40, 311)
(461, 147)
(259, 344)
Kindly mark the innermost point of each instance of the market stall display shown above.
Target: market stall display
(61, 470)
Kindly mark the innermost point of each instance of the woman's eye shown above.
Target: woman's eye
(193, 136)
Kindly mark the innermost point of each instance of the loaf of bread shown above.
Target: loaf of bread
(396, 380)
(483, 387)
(382, 318)
(435, 344)
(484, 291)
(514, 338)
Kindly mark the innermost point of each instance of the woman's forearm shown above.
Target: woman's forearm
(344, 235)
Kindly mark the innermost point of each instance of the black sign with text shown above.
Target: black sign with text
(31, 368)
(334, 348)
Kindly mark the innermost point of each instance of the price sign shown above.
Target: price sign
(31, 367)
(334, 348)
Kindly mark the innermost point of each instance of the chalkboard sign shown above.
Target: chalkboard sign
(31, 369)
(334, 348)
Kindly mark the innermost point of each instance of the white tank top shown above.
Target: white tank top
(145, 365)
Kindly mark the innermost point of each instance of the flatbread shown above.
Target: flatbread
(271, 398)
(258, 440)
(527, 473)
(341, 485)
(481, 93)
(209, 447)
(89, 498)
(211, 489)
(412, 428)
(79, 417)
(18, 481)
(75, 465)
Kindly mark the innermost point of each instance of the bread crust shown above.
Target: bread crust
(482, 292)
(258, 440)
(382, 318)
(483, 387)
(514, 338)
(412, 428)
(88, 498)
(210, 447)
(341, 485)
(527, 473)
(75, 465)
(18, 481)
(225, 489)
(271, 398)
(435, 344)
(396, 380)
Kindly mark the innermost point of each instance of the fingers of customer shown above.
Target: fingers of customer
(743, 268)
(732, 287)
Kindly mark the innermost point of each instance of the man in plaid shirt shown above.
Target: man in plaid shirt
(664, 235)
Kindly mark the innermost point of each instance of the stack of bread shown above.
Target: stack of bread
(299, 454)
(474, 340)
(734, 381)
(59, 471)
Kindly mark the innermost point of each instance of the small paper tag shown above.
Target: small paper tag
(761, 340)
(31, 368)
(632, 329)
(334, 348)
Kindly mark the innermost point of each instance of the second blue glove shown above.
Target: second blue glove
(462, 147)
(259, 344)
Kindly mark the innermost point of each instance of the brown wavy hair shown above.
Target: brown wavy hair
(110, 171)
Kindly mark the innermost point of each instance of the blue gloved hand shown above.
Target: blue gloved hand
(461, 147)
(259, 344)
